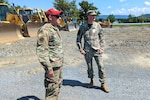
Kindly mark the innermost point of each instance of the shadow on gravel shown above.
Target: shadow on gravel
(29, 98)
(77, 83)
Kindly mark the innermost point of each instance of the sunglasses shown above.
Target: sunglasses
(57, 16)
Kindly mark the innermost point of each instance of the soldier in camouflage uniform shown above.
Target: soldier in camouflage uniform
(93, 47)
(50, 54)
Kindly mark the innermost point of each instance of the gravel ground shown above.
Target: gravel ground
(126, 61)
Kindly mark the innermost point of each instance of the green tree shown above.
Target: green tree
(73, 10)
(85, 6)
(111, 18)
(62, 5)
(69, 8)
(13, 7)
(132, 19)
(4, 1)
(142, 18)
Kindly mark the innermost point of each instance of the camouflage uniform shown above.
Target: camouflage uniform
(50, 54)
(93, 41)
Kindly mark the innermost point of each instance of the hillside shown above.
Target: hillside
(146, 15)
(116, 16)
(119, 16)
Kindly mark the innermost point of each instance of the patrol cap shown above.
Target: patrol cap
(92, 12)
(53, 11)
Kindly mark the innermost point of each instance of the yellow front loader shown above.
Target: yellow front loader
(12, 27)
(36, 19)
(67, 24)
(105, 24)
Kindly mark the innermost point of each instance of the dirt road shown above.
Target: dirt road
(126, 60)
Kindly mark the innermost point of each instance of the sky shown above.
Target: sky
(106, 7)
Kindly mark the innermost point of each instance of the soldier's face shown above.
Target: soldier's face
(55, 20)
(91, 17)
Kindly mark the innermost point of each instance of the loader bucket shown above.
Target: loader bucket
(33, 27)
(9, 32)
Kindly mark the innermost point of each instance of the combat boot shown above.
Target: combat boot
(52, 98)
(90, 85)
(105, 88)
(56, 97)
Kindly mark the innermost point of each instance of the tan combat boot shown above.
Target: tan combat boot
(105, 88)
(56, 97)
(52, 98)
(90, 85)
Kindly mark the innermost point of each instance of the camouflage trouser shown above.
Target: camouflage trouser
(90, 54)
(53, 85)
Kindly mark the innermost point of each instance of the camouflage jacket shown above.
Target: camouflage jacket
(93, 36)
(49, 46)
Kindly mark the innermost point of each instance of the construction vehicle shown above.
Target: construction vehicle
(67, 24)
(12, 27)
(105, 24)
(39, 15)
(34, 15)
(36, 18)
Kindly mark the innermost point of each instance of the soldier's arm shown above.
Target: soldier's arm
(43, 49)
(79, 39)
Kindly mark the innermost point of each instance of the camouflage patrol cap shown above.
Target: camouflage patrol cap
(91, 12)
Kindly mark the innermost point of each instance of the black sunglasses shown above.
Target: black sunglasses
(57, 16)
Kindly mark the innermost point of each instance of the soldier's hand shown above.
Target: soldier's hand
(100, 51)
(82, 52)
(50, 73)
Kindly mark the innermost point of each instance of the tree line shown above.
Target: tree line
(131, 19)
